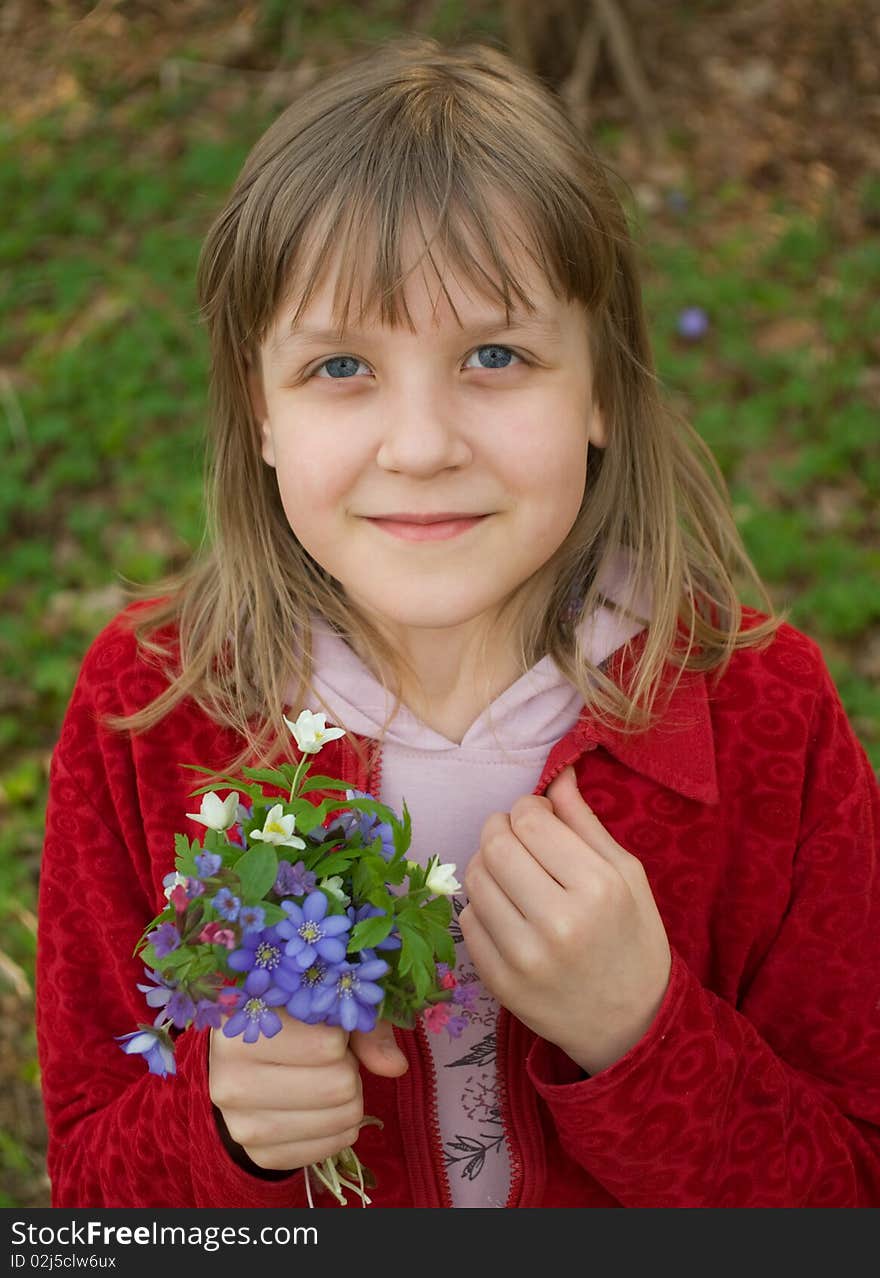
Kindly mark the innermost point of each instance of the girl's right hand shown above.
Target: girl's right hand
(296, 1098)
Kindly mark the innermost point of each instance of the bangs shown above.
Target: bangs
(436, 164)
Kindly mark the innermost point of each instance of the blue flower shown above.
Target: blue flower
(252, 1013)
(261, 954)
(301, 988)
(368, 825)
(310, 934)
(294, 880)
(693, 323)
(207, 1013)
(180, 1009)
(208, 863)
(154, 1045)
(251, 918)
(392, 940)
(158, 994)
(226, 904)
(165, 939)
(349, 996)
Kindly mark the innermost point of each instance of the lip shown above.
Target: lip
(435, 530)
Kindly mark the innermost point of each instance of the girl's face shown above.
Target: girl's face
(477, 419)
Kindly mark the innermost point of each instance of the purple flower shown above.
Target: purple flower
(208, 863)
(165, 939)
(207, 1013)
(262, 955)
(251, 918)
(467, 995)
(392, 940)
(455, 1026)
(367, 824)
(180, 1009)
(349, 996)
(310, 933)
(158, 994)
(194, 887)
(301, 988)
(154, 1045)
(226, 904)
(294, 880)
(252, 1013)
(693, 323)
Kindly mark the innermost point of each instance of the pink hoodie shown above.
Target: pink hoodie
(451, 789)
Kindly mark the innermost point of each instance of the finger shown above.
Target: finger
(267, 1129)
(482, 951)
(269, 1087)
(572, 808)
(378, 1051)
(495, 911)
(554, 846)
(518, 874)
(289, 1157)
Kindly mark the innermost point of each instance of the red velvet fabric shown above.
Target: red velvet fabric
(755, 812)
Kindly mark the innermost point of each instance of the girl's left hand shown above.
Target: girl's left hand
(562, 926)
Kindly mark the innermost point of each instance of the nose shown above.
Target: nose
(421, 432)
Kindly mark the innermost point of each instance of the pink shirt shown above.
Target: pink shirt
(451, 789)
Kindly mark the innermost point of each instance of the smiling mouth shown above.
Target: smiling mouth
(442, 530)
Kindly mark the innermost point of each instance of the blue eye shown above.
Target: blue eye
(349, 363)
(496, 353)
(339, 359)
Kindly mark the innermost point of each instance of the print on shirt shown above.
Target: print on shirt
(469, 1021)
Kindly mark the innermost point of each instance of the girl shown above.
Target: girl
(462, 521)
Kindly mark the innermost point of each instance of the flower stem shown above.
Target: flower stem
(297, 776)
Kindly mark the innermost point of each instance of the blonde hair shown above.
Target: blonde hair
(409, 128)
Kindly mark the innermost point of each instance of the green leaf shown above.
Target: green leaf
(324, 783)
(185, 854)
(308, 815)
(369, 932)
(336, 863)
(257, 871)
(271, 776)
(402, 833)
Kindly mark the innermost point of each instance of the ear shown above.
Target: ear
(258, 407)
(597, 435)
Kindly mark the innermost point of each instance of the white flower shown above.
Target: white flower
(333, 887)
(279, 829)
(441, 879)
(311, 732)
(173, 880)
(216, 813)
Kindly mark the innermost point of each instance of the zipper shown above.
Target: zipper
(436, 1138)
(502, 1031)
(519, 1115)
(424, 1145)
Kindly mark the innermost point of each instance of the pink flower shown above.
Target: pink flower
(179, 898)
(215, 934)
(436, 1017)
(448, 981)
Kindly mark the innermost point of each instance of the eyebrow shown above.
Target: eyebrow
(543, 326)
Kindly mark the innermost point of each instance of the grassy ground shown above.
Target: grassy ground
(109, 174)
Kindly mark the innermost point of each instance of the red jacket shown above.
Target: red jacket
(755, 812)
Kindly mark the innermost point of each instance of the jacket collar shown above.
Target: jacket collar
(678, 751)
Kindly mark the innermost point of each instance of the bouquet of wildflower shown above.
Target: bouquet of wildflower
(344, 929)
